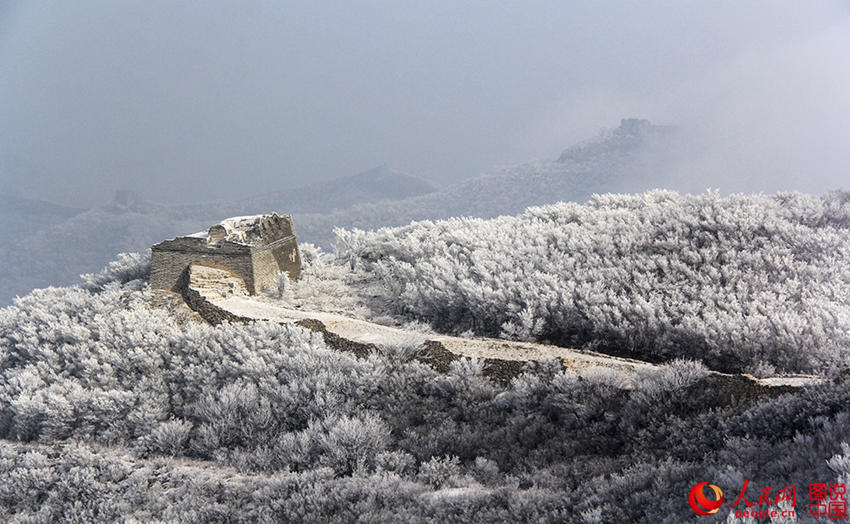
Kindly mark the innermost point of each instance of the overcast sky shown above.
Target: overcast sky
(193, 101)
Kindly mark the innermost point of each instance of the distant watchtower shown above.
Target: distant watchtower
(255, 248)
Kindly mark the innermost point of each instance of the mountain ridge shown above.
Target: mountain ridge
(57, 251)
(625, 159)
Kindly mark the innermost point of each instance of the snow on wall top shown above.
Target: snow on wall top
(257, 230)
(252, 231)
(245, 230)
(240, 230)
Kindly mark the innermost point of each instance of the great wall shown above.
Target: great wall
(221, 285)
(255, 248)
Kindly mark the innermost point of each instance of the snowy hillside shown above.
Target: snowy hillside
(740, 282)
(113, 408)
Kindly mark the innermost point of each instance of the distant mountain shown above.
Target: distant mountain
(375, 185)
(68, 242)
(53, 245)
(21, 219)
(26, 215)
(634, 157)
(633, 135)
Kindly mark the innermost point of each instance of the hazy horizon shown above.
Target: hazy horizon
(187, 103)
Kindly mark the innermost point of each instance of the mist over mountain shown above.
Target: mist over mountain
(378, 184)
(55, 251)
(52, 244)
(20, 220)
(21, 216)
(633, 157)
(375, 185)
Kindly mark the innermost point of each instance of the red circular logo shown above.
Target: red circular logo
(701, 504)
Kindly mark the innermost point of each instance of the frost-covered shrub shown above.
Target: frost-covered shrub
(738, 282)
(98, 390)
(170, 438)
(439, 471)
(840, 464)
(324, 285)
(108, 367)
(402, 350)
(310, 253)
(395, 461)
(282, 290)
(127, 267)
(352, 443)
(606, 376)
(673, 376)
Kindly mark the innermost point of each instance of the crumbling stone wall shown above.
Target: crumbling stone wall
(273, 228)
(170, 258)
(199, 303)
(276, 251)
(256, 252)
(269, 261)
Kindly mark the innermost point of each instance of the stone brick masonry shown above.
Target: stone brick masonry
(256, 249)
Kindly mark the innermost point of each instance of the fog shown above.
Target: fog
(204, 101)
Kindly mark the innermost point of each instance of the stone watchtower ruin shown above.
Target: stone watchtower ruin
(255, 248)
